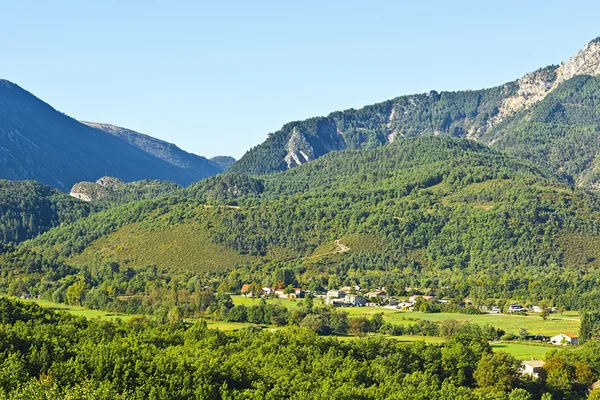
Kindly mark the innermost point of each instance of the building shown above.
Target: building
(268, 291)
(247, 289)
(376, 294)
(355, 300)
(564, 339)
(405, 306)
(336, 294)
(515, 308)
(414, 298)
(533, 367)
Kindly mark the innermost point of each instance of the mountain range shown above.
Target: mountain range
(39, 143)
(486, 193)
(549, 116)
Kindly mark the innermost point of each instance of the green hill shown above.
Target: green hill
(435, 213)
(28, 208)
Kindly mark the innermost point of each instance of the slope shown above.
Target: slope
(29, 208)
(37, 142)
(430, 212)
(464, 114)
(163, 150)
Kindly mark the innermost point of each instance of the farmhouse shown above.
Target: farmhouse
(533, 367)
(414, 298)
(355, 300)
(376, 294)
(336, 294)
(564, 339)
(246, 288)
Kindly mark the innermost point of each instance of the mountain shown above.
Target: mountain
(37, 142)
(223, 161)
(489, 116)
(428, 212)
(163, 150)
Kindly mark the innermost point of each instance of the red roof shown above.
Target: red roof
(571, 335)
(246, 287)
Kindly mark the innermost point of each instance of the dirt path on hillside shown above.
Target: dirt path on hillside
(340, 248)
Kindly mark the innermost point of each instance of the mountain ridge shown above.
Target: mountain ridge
(40, 143)
(469, 114)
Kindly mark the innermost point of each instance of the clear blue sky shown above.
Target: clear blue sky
(217, 77)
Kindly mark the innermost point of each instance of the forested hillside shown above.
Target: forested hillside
(563, 130)
(28, 208)
(433, 213)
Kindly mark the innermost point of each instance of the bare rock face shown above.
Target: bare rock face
(535, 86)
(91, 191)
(299, 150)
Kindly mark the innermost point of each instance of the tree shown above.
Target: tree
(76, 292)
(358, 326)
(519, 394)
(544, 314)
(523, 333)
(594, 395)
(584, 374)
(558, 376)
(497, 371)
(313, 322)
(589, 326)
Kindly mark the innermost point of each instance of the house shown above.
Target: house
(405, 306)
(336, 294)
(376, 294)
(280, 293)
(268, 291)
(298, 293)
(355, 300)
(533, 367)
(414, 298)
(330, 301)
(515, 308)
(246, 289)
(564, 339)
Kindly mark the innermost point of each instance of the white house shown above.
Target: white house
(515, 308)
(533, 367)
(564, 339)
(355, 300)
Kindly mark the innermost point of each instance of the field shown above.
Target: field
(80, 311)
(555, 324)
(523, 351)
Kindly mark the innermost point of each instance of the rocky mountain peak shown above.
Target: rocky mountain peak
(299, 149)
(585, 62)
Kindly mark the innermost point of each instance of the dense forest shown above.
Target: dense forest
(49, 355)
(28, 208)
(434, 214)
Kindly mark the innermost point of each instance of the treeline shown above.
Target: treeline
(48, 355)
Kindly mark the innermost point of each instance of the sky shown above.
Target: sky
(216, 77)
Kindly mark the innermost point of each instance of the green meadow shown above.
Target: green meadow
(555, 324)
(79, 311)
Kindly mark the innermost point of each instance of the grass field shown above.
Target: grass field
(555, 324)
(80, 311)
(522, 351)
